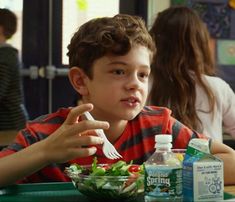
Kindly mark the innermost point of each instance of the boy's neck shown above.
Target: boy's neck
(115, 130)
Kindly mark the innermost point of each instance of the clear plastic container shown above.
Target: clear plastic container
(163, 172)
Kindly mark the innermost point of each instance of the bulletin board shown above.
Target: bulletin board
(219, 16)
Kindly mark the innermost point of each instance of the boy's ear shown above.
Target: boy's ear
(76, 77)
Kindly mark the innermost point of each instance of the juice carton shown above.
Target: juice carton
(203, 175)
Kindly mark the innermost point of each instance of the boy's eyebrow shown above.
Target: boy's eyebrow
(117, 63)
(124, 63)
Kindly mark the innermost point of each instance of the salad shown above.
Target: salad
(118, 180)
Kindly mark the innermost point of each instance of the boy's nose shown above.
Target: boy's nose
(133, 82)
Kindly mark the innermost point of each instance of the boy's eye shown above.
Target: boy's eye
(144, 75)
(119, 71)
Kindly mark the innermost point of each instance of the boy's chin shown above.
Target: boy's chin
(131, 116)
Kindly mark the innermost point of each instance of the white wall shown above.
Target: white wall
(155, 6)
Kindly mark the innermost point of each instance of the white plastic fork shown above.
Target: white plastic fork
(108, 149)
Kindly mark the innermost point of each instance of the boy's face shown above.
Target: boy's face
(119, 86)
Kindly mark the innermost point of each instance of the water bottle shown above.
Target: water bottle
(163, 173)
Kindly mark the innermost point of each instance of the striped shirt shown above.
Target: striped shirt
(12, 112)
(135, 143)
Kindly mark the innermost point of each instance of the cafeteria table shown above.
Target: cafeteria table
(62, 192)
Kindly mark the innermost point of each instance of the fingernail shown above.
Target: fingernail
(93, 149)
(101, 141)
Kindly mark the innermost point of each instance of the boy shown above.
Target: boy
(110, 66)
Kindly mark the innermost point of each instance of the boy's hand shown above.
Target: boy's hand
(67, 141)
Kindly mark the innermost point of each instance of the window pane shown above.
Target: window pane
(77, 12)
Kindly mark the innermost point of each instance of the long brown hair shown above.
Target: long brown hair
(183, 55)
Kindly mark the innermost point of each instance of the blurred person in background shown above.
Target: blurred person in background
(13, 114)
(183, 74)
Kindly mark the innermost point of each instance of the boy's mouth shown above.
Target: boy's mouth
(131, 101)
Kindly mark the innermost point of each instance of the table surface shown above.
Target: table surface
(230, 189)
(61, 192)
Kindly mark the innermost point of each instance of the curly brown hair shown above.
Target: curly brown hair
(100, 36)
(8, 21)
(183, 55)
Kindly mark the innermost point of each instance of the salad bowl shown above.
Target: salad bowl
(105, 181)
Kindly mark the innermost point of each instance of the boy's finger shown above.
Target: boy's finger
(84, 152)
(86, 125)
(77, 111)
(81, 141)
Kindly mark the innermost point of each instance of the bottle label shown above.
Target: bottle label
(163, 181)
